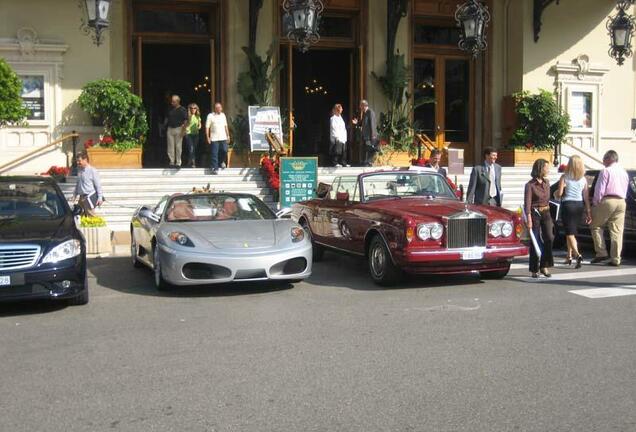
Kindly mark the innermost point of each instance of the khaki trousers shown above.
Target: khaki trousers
(609, 212)
(175, 139)
(86, 206)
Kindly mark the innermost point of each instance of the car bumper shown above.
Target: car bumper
(179, 268)
(449, 261)
(62, 282)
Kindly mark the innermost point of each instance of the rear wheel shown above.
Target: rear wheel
(496, 274)
(318, 252)
(381, 266)
(160, 282)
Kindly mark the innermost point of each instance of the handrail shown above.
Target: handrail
(580, 150)
(37, 150)
(424, 139)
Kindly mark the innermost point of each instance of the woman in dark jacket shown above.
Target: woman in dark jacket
(538, 218)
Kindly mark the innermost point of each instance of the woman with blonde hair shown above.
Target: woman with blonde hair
(192, 129)
(573, 191)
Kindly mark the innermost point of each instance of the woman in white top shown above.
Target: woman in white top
(573, 191)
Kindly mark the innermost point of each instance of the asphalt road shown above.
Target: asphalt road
(335, 353)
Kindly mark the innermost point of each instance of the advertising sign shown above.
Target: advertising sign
(263, 120)
(455, 161)
(33, 95)
(298, 179)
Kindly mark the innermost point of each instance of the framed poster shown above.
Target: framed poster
(580, 109)
(33, 96)
(298, 180)
(261, 121)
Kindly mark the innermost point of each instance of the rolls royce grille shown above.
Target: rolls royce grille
(466, 232)
(17, 256)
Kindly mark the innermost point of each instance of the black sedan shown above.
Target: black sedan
(42, 253)
(629, 235)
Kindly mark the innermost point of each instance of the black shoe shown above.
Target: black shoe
(535, 275)
(546, 273)
(568, 261)
(613, 264)
(215, 172)
(597, 260)
(579, 261)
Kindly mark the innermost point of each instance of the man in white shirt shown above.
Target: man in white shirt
(217, 134)
(337, 137)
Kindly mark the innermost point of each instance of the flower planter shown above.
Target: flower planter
(244, 159)
(395, 159)
(97, 240)
(522, 157)
(108, 158)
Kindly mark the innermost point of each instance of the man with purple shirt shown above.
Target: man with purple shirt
(609, 209)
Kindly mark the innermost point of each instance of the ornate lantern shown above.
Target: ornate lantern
(472, 18)
(621, 30)
(96, 18)
(300, 22)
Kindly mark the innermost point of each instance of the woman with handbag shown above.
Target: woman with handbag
(575, 199)
(538, 218)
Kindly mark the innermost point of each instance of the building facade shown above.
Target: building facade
(194, 48)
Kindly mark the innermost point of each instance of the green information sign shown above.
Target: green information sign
(298, 179)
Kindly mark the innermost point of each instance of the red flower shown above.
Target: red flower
(88, 144)
(269, 168)
(107, 140)
(419, 162)
(57, 171)
(529, 145)
(384, 142)
(562, 167)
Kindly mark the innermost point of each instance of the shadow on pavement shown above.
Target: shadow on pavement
(353, 273)
(117, 273)
(37, 307)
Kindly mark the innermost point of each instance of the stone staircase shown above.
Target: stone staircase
(125, 190)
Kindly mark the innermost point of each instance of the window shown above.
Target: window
(33, 96)
(435, 35)
(166, 21)
(580, 109)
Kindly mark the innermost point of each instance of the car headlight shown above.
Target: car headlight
(501, 229)
(63, 251)
(180, 238)
(297, 234)
(430, 231)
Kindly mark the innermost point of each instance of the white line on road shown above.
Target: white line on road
(578, 275)
(595, 293)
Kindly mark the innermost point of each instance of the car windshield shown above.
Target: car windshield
(30, 200)
(217, 207)
(401, 184)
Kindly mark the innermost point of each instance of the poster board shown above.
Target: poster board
(298, 179)
(33, 96)
(261, 121)
(455, 161)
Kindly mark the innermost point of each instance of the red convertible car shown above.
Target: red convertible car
(410, 221)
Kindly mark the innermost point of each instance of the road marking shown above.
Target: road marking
(595, 293)
(577, 275)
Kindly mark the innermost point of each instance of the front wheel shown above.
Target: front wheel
(133, 251)
(82, 298)
(496, 274)
(318, 251)
(381, 266)
(160, 282)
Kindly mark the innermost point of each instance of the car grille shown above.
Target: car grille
(13, 257)
(464, 232)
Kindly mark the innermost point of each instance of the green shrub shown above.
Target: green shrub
(542, 123)
(12, 111)
(121, 112)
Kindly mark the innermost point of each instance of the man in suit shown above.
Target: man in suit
(434, 160)
(485, 181)
(368, 126)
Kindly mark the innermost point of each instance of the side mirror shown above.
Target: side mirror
(148, 214)
(323, 189)
(342, 196)
(77, 210)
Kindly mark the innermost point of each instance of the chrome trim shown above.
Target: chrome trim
(27, 256)
(459, 251)
(469, 239)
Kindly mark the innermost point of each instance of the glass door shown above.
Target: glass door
(444, 102)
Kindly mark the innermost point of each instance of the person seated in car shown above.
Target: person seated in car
(228, 211)
(181, 210)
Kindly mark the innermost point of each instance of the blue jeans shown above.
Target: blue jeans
(218, 155)
(191, 141)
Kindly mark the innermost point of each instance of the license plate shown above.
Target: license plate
(5, 280)
(472, 255)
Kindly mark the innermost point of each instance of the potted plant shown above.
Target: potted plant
(122, 115)
(59, 174)
(541, 125)
(96, 233)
